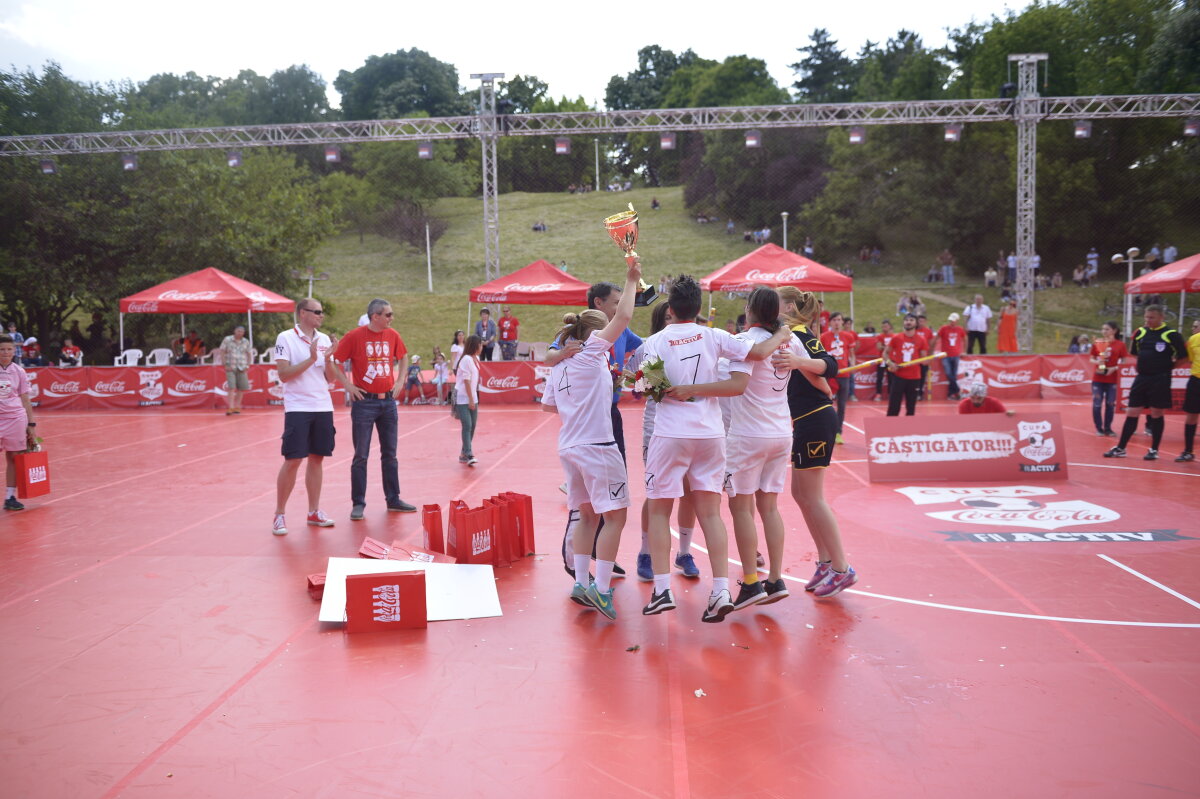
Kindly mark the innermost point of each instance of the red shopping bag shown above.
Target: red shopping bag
(431, 522)
(523, 517)
(316, 585)
(417, 554)
(33, 473)
(477, 535)
(390, 601)
(457, 509)
(372, 548)
(502, 517)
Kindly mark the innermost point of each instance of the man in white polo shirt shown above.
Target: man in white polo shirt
(978, 318)
(304, 358)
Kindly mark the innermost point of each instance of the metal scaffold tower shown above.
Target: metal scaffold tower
(489, 131)
(1026, 115)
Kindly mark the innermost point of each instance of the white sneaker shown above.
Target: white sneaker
(279, 527)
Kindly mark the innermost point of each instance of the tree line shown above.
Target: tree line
(75, 242)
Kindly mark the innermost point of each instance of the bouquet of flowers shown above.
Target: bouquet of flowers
(650, 379)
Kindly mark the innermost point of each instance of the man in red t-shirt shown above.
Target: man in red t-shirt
(978, 401)
(925, 332)
(374, 350)
(906, 380)
(951, 337)
(70, 355)
(839, 343)
(508, 325)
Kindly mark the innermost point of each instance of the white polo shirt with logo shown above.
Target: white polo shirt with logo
(309, 390)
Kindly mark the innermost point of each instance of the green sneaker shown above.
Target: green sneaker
(602, 601)
(579, 595)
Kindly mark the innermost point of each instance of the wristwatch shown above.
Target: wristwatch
(32, 424)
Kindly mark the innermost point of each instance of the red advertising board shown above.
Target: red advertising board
(1066, 376)
(985, 446)
(511, 382)
(64, 389)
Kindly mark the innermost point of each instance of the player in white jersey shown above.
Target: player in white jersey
(660, 317)
(758, 448)
(689, 440)
(581, 394)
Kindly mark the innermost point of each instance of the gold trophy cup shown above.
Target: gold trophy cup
(623, 230)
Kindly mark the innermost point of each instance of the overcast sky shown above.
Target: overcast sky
(576, 55)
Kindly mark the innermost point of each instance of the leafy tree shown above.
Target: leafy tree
(826, 75)
(1172, 61)
(401, 84)
(50, 102)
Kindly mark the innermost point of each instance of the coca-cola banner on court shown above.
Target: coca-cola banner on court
(509, 382)
(977, 446)
(1066, 376)
(154, 386)
(56, 388)
(1007, 376)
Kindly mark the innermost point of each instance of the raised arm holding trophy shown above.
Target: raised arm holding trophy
(623, 229)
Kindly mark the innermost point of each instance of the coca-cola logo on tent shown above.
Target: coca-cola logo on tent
(143, 307)
(172, 294)
(784, 276)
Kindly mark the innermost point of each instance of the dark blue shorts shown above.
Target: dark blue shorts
(307, 433)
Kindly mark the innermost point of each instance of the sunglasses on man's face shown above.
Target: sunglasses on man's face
(317, 312)
(389, 314)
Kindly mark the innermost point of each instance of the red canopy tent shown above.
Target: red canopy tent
(207, 291)
(539, 283)
(771, 265)
(1182, 276)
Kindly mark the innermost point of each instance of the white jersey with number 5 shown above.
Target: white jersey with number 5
(689, 353)
(762, 410)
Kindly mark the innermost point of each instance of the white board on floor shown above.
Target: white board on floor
(452, 591)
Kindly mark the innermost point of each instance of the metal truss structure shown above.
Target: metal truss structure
(1027, 111)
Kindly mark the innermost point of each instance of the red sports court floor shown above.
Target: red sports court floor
(159, 642)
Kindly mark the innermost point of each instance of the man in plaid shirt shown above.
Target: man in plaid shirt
(236, 354)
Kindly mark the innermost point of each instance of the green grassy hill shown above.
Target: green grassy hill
(671, 242)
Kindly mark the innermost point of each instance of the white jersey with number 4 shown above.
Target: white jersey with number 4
(582, 391)
(689, 353)
(762, 410)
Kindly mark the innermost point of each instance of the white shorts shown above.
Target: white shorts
(595, 476)
(669, 460)
(756, 464)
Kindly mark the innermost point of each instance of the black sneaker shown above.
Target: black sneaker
(776, 590)
(720, 605)
(1151, 455)
(617, 570)
(12, 504)
(1186, 457)
(401, 506)
(660, 603)
(749, 595)
(1115, 452)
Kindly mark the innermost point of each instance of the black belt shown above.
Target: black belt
(369, 395)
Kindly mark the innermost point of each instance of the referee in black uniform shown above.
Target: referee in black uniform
(1158, 350)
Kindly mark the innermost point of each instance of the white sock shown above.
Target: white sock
(720, 584)
(661, 583)
(604, 570)
(645, 550)
(685, 540)
(583, 564)
(10, 492)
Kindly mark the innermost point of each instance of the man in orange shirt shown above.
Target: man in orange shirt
(189, 349)
(906, 380)
(374, 350)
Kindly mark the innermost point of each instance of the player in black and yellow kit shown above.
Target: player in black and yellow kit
(1191, 399)
(1158, 350)
(814, 428)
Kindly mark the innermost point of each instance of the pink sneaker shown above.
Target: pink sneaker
(819, 576)
(318, 519)
(279, 526)
(837, 582)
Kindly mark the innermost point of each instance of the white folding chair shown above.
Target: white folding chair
(159, 357)
(538, 350)
(267, 356)
(523, 350)
(128, 358)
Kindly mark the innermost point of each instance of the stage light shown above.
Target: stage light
(1191, 127)
(1083, 129)
(233, 158)
(562, 146)
(858, 135)
(666, 141)
(425, 150)
(48, 167)
(129, 161)
(753, 138)
(333, 154)
(953, 132)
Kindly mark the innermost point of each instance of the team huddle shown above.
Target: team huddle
(738, 411)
